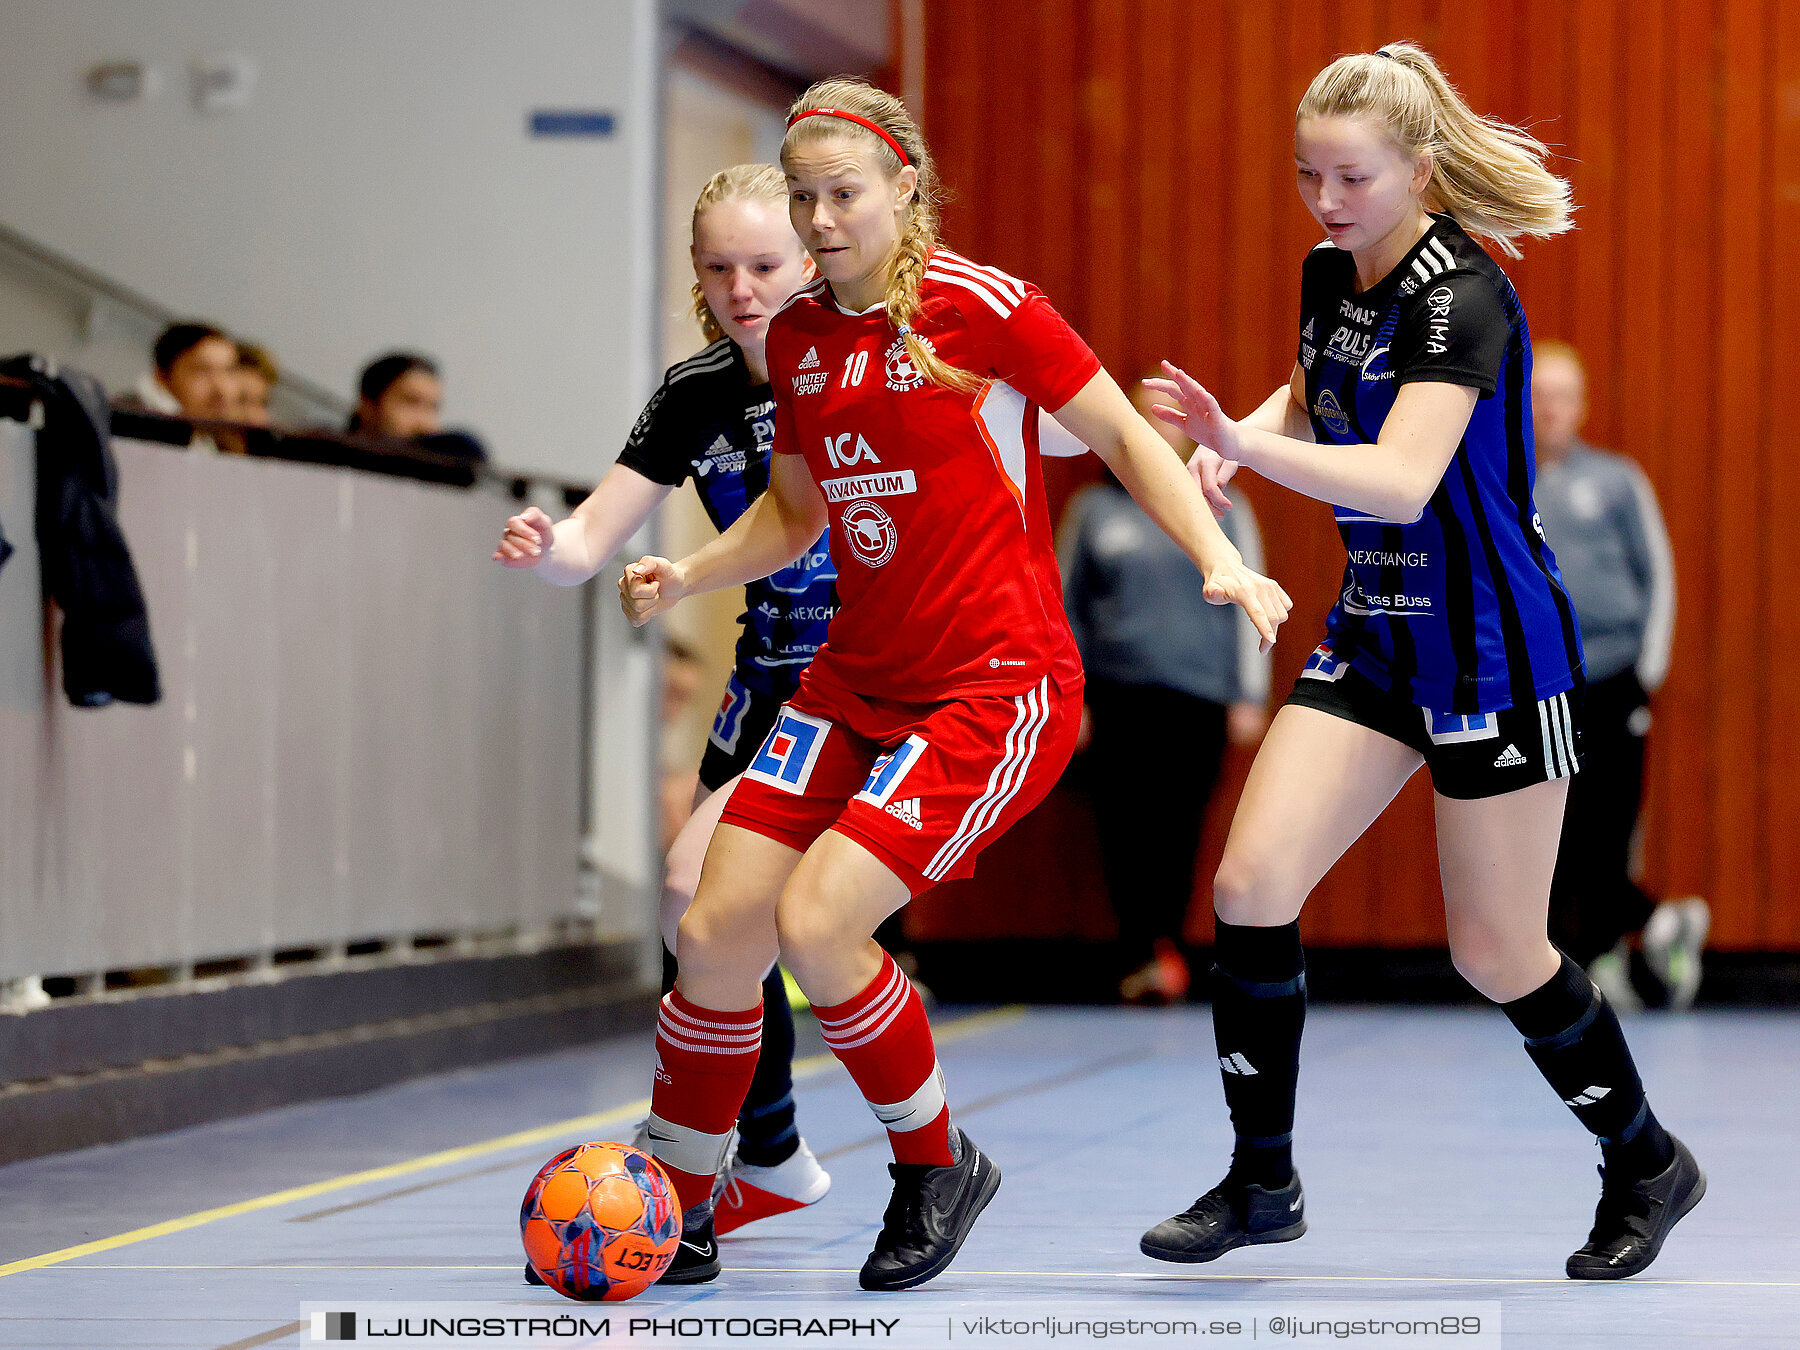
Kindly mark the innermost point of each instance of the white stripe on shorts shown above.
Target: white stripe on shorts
(1558, 727)
(1003, 784)
(1568, 728)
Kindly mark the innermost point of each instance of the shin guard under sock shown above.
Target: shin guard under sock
(1259, 1010)
(884, 1040)
(704, 1062)
(1574, 1038)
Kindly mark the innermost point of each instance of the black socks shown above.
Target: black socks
(766, 1131)
(1570, 1031)
(1573, 1036)
(1259, 1008)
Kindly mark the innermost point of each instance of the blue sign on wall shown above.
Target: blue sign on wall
(570, 122)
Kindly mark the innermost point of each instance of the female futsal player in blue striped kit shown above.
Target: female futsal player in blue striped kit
(1453, 643)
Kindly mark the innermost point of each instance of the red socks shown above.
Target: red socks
(883, 1039)
(704, 1062)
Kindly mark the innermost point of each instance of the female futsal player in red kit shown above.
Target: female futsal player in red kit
(907, 383)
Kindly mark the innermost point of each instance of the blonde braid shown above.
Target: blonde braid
(905, 276)
(703, 315)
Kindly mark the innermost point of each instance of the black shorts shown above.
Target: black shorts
(1470, 755)
(745, 719)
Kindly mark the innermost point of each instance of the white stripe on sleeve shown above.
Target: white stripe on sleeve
(1659, 623)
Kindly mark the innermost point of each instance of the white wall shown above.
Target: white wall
(707, 127)
(379, 191)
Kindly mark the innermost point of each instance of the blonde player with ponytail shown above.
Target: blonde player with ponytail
(1453, 644)
(712, 421)
(908, 382)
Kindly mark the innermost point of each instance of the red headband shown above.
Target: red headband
(892, 144)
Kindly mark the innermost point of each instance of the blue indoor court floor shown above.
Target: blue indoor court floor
(1438, 1166)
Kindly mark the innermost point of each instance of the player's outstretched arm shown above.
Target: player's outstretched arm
(1282, 412)
(568, 552)
(779, 526)
(1153, 474)
(1392, 479)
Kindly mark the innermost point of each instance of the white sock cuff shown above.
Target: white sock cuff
(918, 1110)
(685, 1149)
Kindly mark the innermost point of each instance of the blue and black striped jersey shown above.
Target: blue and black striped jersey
(709, 423)
(1463, 609)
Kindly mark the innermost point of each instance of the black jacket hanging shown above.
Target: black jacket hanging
(86, 565)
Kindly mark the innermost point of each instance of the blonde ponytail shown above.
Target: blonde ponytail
(741, 182)
(1486, 175)
(919, 230)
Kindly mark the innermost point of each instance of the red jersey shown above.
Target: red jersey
(947, 576)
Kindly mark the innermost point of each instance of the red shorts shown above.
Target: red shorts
(923, 786)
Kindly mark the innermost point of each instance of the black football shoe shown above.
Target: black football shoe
(1634, 1216)
(696, 1256)
(1227, 1217)
(531, 1275)
(930, 1214)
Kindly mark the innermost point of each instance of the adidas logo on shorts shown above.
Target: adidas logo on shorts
(810, 361)
(1510, 758)
(907, 811)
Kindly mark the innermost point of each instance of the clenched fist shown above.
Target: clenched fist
(526, 539)
(649, 586)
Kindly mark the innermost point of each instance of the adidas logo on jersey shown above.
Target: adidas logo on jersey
(907, 811)
(810, 361)
(1307, 331)
(1237, 1064)
(1587, 1097)
(1510, 758)
(721, 457)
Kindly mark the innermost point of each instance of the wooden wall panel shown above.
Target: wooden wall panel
(1132, 157)
(1736, 320)
(1779, 924)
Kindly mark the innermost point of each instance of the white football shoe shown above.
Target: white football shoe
(748, 1193)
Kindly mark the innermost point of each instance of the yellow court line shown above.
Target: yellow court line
(958, 1030)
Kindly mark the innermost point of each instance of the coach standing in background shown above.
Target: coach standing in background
(1171, 679)
(1600, 516)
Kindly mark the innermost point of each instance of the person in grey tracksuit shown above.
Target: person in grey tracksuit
(1171, 681)
(1600, 516)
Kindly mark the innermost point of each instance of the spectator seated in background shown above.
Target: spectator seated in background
(257, 376)
(194, 375)
(400, 396)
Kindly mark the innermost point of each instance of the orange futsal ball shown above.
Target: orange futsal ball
(600, 1221)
